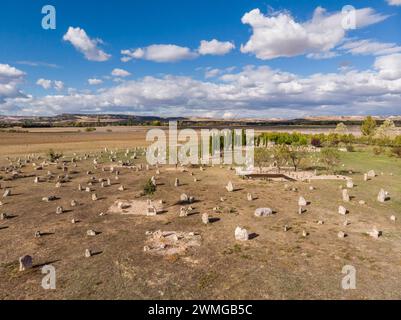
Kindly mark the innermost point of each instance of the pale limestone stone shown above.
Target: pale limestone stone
(263, 212)
(230, 187)
(205, 218)
(241, 234)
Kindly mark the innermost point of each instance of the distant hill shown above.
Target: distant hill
(90, 120)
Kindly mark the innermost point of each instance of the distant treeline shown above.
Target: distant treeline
(321, 139)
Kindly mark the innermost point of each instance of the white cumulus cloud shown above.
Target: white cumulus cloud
(280, 35)
(89, 47)
(389, 67)
(10, 78)
(394, 2)
(48, 84)
(120, 73)
(159, 53)
(215, 47)
(369, 47)
(95, 81)
(254, 91)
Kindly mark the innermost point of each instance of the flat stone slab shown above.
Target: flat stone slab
(171, 242)
(134, 207)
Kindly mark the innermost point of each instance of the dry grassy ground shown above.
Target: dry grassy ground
(273, 265)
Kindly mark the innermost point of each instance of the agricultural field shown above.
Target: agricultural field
(99, 253)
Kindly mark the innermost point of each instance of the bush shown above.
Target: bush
(149, 188)
(53, 156)
(330, 157)
(90, 129)
(396, 152)
(350, 148)
(316, 142)
(377, 151)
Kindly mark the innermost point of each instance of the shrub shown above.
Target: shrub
(378, 151)
(90, 129)
(350, 148)
(316, 142)
(53, 156)
(149, 188)
(330, 157)
(396, 152)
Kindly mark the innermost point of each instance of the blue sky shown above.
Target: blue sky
(278, 61)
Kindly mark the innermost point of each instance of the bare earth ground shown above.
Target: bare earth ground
(273, 265)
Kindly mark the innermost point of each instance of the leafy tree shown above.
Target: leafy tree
(386, 129)
(368, 127)
(262, 157)
(281, 155)
(341, 128)
(330, 157)
(296, 155)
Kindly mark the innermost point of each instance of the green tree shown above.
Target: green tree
(281, 155)
(262, 157)
(296, 155)
(341, 128)
(368, 127)
(330, 157)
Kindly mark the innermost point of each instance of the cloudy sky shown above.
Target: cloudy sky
(215, 58)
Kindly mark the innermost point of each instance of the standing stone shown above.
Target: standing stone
(59, 210)
(25, 263)
(3, 216)
(7, 193)
(341, 234)
(382, 196)
(346, 197)
(241, 234)
(393, 218)
(183, 212)
(91, 233)
(88, 253)
(302, 202)
(365, 177)
(263, 212)
(371, 174)
(58, 185)
(375, 233)
(94, 197)
(350, 184)
(79, 187)
(121, 188)
(205, 218)
(230, 187)
(36, 180)
(37, 234)
(73, 203)
(342, 210)
(184, 198)
(249, 197)
(177, 183)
